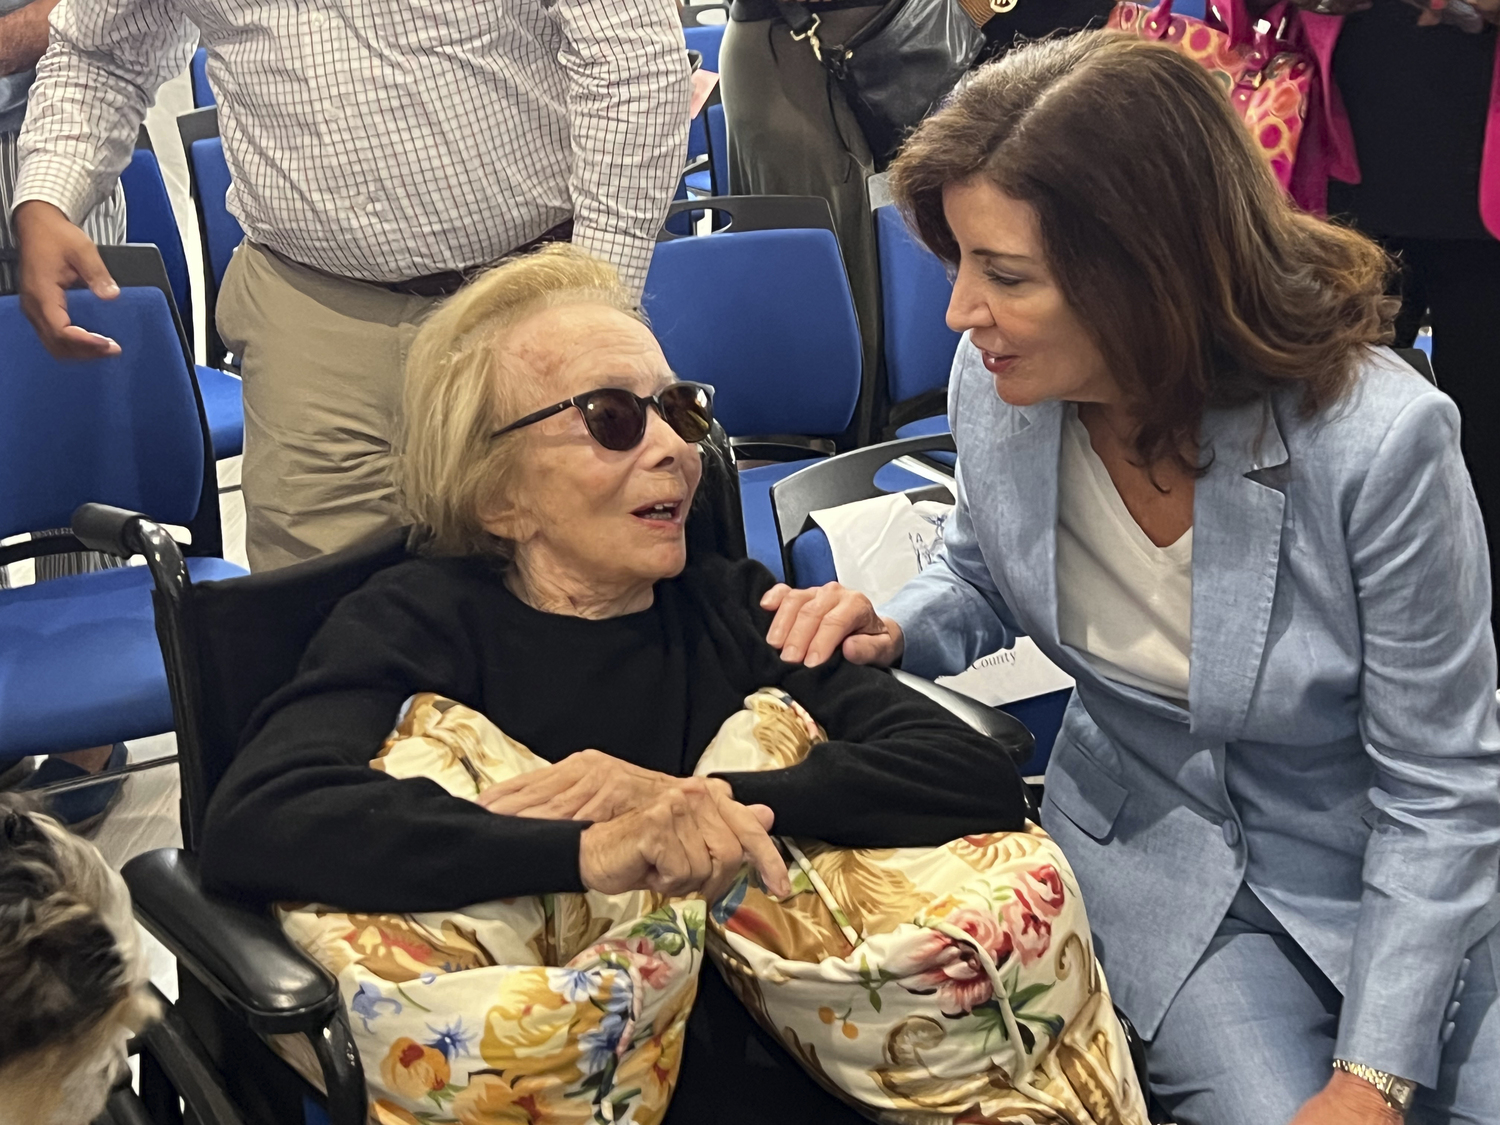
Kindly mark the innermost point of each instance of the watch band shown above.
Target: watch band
(1398, 1092)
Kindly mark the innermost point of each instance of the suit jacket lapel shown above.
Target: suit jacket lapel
(1238, 509)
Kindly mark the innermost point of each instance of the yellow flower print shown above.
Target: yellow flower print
(489, 1099)
(530, 1028)
(412, 1070)
(389, 1113)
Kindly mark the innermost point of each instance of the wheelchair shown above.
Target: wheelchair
(240, 980)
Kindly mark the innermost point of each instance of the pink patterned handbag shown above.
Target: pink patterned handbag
(1269, 82)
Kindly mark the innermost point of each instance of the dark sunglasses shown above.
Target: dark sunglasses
(616, 418)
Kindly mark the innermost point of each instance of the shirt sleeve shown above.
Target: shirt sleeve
(1417, 552)
(101, 72)
(301, 816)
(629, 86)
(952, 614)
(897, 771)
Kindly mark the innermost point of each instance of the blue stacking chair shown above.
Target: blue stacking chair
(203, 94)
(762, 310)
(221, 231)
(919, 345)
(149, 218)
(81, 665)
(713, 180)
(859, 475)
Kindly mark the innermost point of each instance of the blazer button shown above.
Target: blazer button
(1231, 833)
(1458, 989)
(1448, 1029)
(1452, 1011)
(1463, 968)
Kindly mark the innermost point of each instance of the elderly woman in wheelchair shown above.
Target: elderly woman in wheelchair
(593, 741)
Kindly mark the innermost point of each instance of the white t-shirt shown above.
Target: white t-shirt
(1122, 601)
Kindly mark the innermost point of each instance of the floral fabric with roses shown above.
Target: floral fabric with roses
(924, 985)
(547, 1010)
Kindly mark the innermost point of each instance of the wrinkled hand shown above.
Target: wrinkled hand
(588, 785)
(811, 625)
(54, 255)
(691, 838)
(1347, 1100)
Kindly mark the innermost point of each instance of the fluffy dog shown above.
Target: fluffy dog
(73, 979)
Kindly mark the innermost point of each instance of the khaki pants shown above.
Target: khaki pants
(322, 359)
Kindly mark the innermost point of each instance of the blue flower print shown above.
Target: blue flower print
(452, 1040)
(367, 1001)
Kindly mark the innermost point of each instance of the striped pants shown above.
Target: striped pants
(104, 224)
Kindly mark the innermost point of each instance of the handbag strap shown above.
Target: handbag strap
(804, 24)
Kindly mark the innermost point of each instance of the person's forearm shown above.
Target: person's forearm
(23, 36)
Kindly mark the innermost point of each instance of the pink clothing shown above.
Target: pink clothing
(1327, 148)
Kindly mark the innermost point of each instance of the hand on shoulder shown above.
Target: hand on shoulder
(811, 625)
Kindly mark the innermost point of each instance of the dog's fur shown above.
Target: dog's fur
(73, 979)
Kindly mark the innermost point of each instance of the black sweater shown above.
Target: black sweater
(301, 816)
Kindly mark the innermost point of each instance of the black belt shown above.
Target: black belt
(449, 282)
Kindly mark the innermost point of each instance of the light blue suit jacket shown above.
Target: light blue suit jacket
(1339, 751)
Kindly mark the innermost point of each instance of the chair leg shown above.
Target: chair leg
(343, 1073)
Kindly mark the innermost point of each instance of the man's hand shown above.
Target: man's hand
(589, 785)
(811, 625)
(693, 838)
(1347, 1100)
(54, 255)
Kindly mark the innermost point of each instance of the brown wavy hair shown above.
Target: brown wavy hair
(1201, 284)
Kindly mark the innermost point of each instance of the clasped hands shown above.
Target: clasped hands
(651, 831)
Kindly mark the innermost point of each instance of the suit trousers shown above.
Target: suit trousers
(322, 359)
(1251, 1035)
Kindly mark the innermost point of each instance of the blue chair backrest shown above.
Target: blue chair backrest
(767, 318)
(718, 133)
(706, 41)
(221, 230)
(919, 345)
(123, 430)
(203, 93)
(149, 218)
(1193, 8)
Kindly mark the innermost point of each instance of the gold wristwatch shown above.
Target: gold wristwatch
(1397, 1092)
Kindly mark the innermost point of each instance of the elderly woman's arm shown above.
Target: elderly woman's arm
(301, 815)
(897, 771)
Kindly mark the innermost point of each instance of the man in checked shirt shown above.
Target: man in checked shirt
(381, 151)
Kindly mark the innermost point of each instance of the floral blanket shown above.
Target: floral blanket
(924, 986)
(561, 1009)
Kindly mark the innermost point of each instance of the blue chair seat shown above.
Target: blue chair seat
(224, 404)
(81, 656)
(701, 183)
(926, 427)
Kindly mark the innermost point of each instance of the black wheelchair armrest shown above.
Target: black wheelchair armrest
(1005, 729)
(239, 954)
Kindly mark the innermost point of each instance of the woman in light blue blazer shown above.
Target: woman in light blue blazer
(1188, 470)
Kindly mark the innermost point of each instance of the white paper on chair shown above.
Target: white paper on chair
(880, 544)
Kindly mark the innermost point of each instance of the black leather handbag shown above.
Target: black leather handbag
(895, 69)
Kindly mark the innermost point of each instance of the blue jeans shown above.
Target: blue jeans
(1250, 1036)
